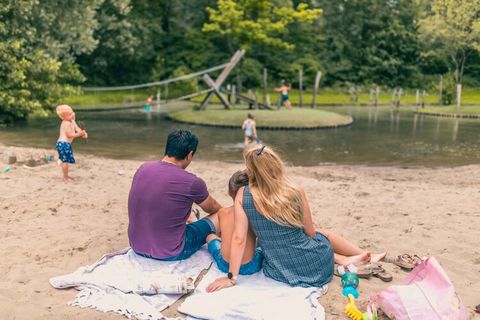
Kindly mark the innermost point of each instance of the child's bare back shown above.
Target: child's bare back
(227, 223)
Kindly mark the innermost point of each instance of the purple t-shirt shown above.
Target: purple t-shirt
(159, 204)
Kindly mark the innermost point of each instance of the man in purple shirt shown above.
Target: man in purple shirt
(160, 202)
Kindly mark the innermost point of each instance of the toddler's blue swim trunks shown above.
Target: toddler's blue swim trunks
(65, 152)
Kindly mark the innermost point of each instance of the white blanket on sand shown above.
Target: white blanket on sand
(110, 283)
(255, 297)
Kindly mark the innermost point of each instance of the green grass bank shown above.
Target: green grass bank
(295, 119)
(452, 111)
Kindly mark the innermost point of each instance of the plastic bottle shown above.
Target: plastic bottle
(350, 283)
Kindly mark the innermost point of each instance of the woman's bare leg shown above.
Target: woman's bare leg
(346, 252)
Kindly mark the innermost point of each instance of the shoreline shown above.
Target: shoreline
(53, 152)
(52, 228)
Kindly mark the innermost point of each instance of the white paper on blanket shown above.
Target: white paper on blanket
(254, 297)
(121, 282)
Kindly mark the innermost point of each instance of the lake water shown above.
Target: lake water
(379, 136)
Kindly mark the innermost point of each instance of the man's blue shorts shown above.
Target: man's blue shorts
(250, 267)
(195, 237)
(65, 152)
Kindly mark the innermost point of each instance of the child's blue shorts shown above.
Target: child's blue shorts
(65, 152)
(195, 235)
(250, 267)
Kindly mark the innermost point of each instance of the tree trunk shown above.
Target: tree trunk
(239, 80)
(459, 95)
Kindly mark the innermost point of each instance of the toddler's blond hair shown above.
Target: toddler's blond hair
(63, 110)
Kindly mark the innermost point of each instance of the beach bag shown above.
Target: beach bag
(427, 293)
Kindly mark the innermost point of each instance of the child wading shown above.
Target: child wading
(249, 128)
(68, 131)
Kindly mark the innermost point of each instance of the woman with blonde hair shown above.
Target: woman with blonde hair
(295, 252)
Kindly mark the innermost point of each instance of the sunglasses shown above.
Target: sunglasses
(259, 152)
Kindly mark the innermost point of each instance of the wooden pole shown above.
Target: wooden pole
(265, 75)
(229, 93)
(315, 88)
(417, 98)
(250, 96)
(440, 102)
(216, 90)
(423, 98)
(377, 94)
(158, 97)
(256, 98)
(215, 85)
(234, 94)
(300, 87)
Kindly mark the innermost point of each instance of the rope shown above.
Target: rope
(157, 83)
(192, 95)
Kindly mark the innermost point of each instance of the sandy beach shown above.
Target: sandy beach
(51, 228)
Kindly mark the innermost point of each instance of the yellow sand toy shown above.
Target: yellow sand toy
(353, 313)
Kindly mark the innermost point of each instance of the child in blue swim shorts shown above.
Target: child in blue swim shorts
(220, 247)
(68, 131)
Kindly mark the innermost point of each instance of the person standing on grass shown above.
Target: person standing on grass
(284, 89)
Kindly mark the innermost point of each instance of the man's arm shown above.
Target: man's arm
(210, 205)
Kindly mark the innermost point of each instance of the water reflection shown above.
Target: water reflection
(379, 136)
(455, 130)
(414, 128)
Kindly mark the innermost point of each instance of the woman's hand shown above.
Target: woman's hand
(85, 134)
(219, 284)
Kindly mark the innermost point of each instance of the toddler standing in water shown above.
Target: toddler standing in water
(68, 131)
(249, 128)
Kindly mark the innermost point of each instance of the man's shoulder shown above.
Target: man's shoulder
(167, 168)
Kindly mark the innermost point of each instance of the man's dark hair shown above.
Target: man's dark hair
(180, 143)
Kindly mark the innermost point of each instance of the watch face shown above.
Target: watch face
(229, 275)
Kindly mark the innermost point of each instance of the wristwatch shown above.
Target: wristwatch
(232, 277)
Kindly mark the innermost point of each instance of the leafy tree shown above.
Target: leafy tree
(246, 23)
(38, 41)
(453, 26)
(370, 41)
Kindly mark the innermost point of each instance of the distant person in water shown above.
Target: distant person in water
(148, 103)
(249, 128)
(284, 94)
(68, 131)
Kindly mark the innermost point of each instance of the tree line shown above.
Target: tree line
(48, 48)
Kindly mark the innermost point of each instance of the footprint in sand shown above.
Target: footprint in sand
(362, 194)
